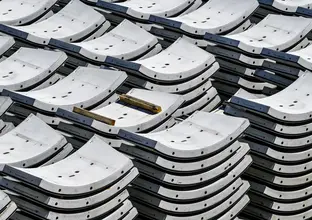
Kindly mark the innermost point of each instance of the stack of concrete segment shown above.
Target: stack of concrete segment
(280, 142)
(192, 170)
(89, 184)
(246, 52)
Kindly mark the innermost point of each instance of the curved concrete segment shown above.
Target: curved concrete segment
(214, 17)
(97, 165)
(5, 44)
(30, 143)
(142, 10)
(287, 5)
(192, 144)
(275, 32)
(129, 117)
(181, 61)
(290, 105)
(27, 68)
(127, 41)
(32, 10)
(74, 22)
(84, 88)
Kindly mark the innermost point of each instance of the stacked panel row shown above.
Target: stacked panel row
(244, 57)
(190, 171)
(212, 17)
(280, 142)
(47, 179)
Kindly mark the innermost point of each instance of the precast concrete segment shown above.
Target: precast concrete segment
(27, 68)
(74, 22)
(213, 17)
(33, 10)
(137, 9)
